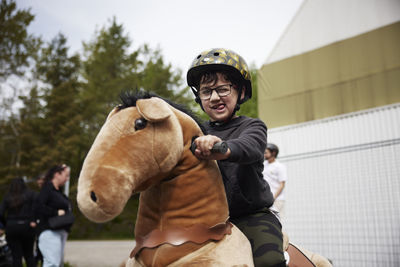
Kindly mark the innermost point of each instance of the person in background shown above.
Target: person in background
(18, 221)
(52, 202)
(40, 180)
(220, 81)
(37, 254)
(275, 174)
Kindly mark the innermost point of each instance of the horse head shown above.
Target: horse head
(136, 148)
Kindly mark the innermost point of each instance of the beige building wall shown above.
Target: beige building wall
(349, 75)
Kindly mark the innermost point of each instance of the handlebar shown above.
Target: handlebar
(220, 147)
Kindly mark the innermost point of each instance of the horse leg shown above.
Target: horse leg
(299, 256)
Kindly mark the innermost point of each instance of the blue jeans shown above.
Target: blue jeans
(51, 245)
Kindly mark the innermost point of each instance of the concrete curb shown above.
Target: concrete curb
(97, 253)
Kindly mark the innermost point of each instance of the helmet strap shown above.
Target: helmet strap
(237, 107)
(198, 101)
(197, 98)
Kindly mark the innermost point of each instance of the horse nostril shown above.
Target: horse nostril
(93, 196)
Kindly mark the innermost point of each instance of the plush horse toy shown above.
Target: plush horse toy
(183, 213)
(144, 146)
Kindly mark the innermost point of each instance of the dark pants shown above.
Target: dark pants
(37, 253)
(264, 232)
(20, 238)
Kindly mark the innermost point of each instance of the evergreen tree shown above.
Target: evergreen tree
(61, 125)
(108, 69)
(160, 78)
(9, 149)
(16, 45)
(20, 134)
(16, 48)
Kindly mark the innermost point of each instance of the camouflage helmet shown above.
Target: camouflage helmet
(219, 59)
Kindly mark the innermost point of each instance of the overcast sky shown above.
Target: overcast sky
(180, 28)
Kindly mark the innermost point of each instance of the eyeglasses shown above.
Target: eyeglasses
(222, 90)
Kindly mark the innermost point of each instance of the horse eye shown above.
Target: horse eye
(140, 124)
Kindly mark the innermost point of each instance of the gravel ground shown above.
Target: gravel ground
(97, 253)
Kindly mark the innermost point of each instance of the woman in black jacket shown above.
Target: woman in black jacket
(51, 202)
(17, 214)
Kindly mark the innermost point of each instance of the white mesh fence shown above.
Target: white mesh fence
(343, 188)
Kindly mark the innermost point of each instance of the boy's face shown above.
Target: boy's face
(219, 108)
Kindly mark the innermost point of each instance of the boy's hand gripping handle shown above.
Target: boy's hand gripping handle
(220, 147)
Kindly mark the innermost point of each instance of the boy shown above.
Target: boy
(220, 81)
(275, 175)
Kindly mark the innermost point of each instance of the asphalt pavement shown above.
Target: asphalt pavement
(97, 253)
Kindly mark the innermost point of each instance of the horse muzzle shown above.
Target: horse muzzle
(103, 196)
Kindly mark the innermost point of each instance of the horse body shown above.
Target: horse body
(182, 210)
(192, 194)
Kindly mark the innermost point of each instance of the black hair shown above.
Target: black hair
(212, 77)
(16, 193)
(274, 149)
(53, 170)
(129, 98)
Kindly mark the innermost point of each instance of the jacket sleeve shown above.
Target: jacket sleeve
(250, 145)
(32, 198)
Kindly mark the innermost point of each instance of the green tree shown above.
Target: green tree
(110, 68)
(59, 73)
(30, 137)
(161, 78)
(9, 149)
(16, 45)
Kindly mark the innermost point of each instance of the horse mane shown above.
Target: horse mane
(129, 98)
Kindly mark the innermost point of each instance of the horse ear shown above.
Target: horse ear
(153, 109)
(115, 110)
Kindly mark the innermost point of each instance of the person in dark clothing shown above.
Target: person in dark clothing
(220, 81)
(52, 202)
(37, 254)
(17, 218)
